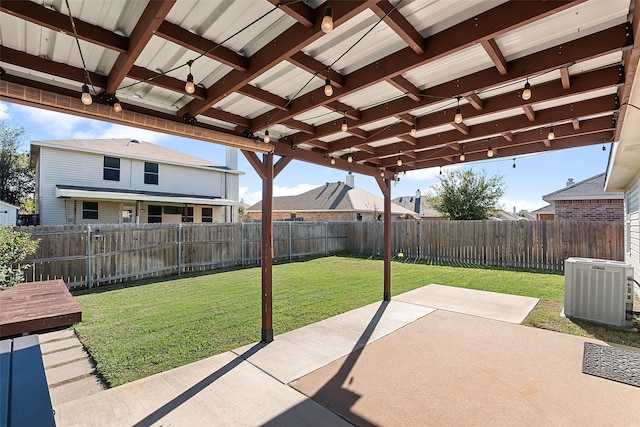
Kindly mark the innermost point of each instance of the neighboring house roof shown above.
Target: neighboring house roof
(503, 215)
(335, 196)
(130, 148)
(424, 208)
(548, 209)
(79, 192)
(589, 189)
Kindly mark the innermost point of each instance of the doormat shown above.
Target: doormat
(612, 363)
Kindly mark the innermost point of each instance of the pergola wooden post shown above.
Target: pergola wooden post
(267, 171)
(385, 187)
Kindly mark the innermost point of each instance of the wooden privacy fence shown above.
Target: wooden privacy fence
(110, 253)
(528, 244)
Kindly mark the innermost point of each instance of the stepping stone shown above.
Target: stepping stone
(74, 390)
(68, 371)
(56, 335)
(59, 345)
(64, 356)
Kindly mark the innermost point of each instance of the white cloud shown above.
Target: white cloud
(101, 130)
(256, 196)
(527, 205)
(60, 125)
(4, 111)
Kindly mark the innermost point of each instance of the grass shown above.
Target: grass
(135, 330)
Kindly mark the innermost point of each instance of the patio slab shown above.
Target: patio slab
(221, 390)
(299, 352)
(490, 305)
(458, 370)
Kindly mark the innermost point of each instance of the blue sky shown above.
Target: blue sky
(533, 177)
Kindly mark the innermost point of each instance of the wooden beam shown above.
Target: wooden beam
(185, 38)
(461, 127)
(576, 124)
(225, 116)
(528, 111)
(267, 249)
(631, 60)
(475, 101)
(56, 21)
(26, 93)
(281, 164)
(564, 77)
(507, 136)
(151, 18)
(255, 162)
(406, 87)
(263, 96)
(398, 23)
(546, 142)
(299, 11)
(164, 81)
(313, 66)
(493, 50)
(385, 188)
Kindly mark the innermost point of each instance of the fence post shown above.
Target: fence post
(89, 272)
(290, 241)
(326, 238)
(179, 249)
(242, 243)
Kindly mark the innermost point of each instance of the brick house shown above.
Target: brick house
(334, 201)
(587, 201)
(545, 213)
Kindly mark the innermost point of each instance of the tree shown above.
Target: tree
(15, 246)
(16, 177)
(465, 194)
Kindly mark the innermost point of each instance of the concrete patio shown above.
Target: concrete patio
(432, 356)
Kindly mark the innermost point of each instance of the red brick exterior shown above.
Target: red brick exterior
(590, 210)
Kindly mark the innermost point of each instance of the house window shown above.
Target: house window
(150, 173)
(89, 210)
(187, 214)
(207, 214)
(111, 170)
(155, 214)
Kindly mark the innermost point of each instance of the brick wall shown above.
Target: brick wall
(590, 210)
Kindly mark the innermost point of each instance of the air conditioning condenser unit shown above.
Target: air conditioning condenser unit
(599, 291)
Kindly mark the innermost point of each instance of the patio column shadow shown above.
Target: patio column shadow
(196, 388)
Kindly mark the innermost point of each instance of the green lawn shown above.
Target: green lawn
(134, 331)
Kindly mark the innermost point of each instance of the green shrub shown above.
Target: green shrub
(15, 246)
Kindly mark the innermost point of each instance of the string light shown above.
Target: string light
(458, 117)
(344, 126)
(267, 138)
(603, 147)
(117, 107)
(86, 96)
(526, 92)
(551, 135)
(333, 160)
(490, 152)
(440, 170)
(399, 161)
(189, 87)
(350, 158)
(328, 89)
(514, 163)
(327, 21)
(381, 172)
(413, 130)
(462, 156)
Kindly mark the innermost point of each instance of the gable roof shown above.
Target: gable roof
(424, 207)
(333, 196)
(130, 148)
(589, 189)
(547, 209)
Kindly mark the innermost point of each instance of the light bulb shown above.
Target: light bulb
(189, 87)
(458, 116)
(462, 157)
(333, 161)
(526, 92)
(490, 152)
(328, 89)
(399, 162)
(267, 138)
(350, 158)
(413, 130)
(381, 174)
(117, 107)
(551, 135)
(344, 126)
(86, 96)
(327, 21)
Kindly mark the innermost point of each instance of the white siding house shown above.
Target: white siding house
(623, 174)
(124, 181)
(8, 214)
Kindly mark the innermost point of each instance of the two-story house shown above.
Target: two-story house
(129, 181)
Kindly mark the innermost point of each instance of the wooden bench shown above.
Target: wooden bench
(24, 393)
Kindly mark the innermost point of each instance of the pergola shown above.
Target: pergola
(392, 86)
